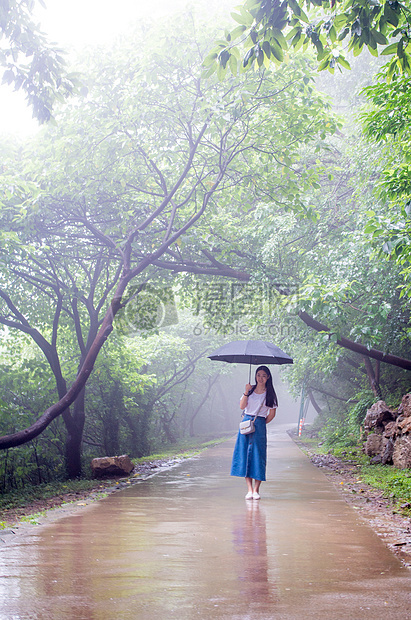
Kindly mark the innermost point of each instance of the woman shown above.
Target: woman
(250, 452)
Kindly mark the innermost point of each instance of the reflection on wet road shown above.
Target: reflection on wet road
(185, 544)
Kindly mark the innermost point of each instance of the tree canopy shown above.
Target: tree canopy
(386, 123)
(126, 179)
(268, 29)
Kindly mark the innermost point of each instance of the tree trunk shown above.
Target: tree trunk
(378, 371)
(75, 437)
(375, 386)
(314, 402)
(166, 425)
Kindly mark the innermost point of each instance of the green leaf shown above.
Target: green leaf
(343, 62)
(295, 7)
(343, 34)
(248, 57)
(221, 72)
(267, 48)
(390, 49)
(340, 20)
(390, 15)
(279, 37)
(298, 42)
(324, 64)
(277, 52)
(379, 37)
(238, 32)
(303, 17)
(293, 32)
(210, 59)
(244, 18)
(233, 64)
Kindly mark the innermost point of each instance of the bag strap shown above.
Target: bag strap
(258, 411)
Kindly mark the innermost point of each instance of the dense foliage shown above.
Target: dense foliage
(268, 29)
(128, 188)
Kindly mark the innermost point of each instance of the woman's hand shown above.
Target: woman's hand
(247, 388)
(271, 415)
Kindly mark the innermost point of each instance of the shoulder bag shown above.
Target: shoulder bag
(247, 427)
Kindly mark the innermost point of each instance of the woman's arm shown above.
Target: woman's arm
(243, 401)
(271, 415)
(244, 398)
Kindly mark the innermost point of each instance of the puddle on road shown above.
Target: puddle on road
(189, 546)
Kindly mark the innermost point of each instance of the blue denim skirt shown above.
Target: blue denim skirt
(250, 452)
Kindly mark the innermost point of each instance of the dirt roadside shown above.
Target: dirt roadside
(376, 510)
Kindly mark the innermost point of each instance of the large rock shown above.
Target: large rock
(401, 457)
(112, 466)
(378, 416)
(373, 445)
(387, 452)
(403, 425)
(390, 429)
(405, 406)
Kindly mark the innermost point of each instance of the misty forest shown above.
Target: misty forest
(213, 176)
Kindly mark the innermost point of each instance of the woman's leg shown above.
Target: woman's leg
(256, 494)
(249, 482)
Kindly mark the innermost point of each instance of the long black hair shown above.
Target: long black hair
(271, 399)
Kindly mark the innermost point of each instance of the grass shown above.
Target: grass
(21, 497)
(396, 483)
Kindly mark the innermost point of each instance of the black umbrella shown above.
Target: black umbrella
(251, 352)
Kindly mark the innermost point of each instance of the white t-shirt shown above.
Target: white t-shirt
(254, 403)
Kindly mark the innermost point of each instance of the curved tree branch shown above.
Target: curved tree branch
(357, 347)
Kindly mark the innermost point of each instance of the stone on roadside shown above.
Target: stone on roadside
(405, 406)
(401, 457)
(377, 417)
(373, 444)
(108, 466)
(390, 429)
(404, 425)
(387, 452)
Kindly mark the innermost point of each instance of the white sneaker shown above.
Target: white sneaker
(256, 495)
(249, 495)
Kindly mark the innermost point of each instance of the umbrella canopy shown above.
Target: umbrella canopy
(251, 352)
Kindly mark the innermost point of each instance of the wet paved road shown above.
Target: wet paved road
(185, 544)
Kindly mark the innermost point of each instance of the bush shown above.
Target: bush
(345, 432)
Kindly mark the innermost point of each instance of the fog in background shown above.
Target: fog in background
(79, 24)
(226, 396)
